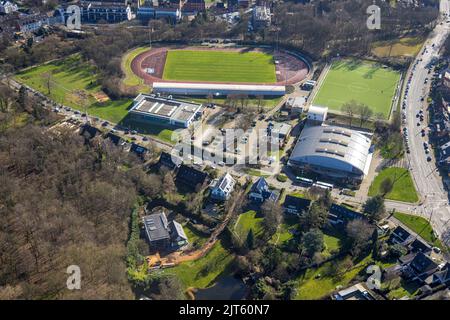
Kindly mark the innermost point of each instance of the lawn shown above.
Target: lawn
(194, 237)
(403, 189)
(221, 66)
(315, 284)
(406, 47)
(419, 225)
(286, 231)
(247, 221)
(71, 76)
(132, 79)
(202, 272)
(362, 81)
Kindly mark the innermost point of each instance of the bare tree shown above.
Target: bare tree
(364, 113)
(350, 108)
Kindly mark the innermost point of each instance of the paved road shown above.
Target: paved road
(434, 199)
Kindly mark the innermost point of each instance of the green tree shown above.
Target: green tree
(312, 242)
(250, 240)
(386, 186)
(375, 208)
(315, 217)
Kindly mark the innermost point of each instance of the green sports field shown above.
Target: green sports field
(219, 66)
(365, 82)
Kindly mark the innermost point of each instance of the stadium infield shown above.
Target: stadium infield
(231, 65)
(365, 82)
(221, 66)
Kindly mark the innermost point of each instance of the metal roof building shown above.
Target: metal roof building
(217, 89)
(333, 151)
(166, 110)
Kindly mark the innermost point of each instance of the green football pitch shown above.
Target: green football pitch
(362, 81)
(219, 66)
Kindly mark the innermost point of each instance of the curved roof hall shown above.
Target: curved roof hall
(332, 147)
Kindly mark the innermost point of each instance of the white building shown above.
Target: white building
(317, 114)
(261, 17)
(223, 187)
(296, 105)
(333, 152)
(165, 110)
(7, 7)
(217, 89)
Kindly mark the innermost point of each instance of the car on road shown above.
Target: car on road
(105, 124)
(144, 139)
(418, 124)
(133, 132)
(428, 159)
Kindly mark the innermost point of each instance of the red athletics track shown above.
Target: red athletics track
(290, 69)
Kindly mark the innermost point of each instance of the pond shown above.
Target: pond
(226, 288)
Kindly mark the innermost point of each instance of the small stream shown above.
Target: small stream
(226, 288)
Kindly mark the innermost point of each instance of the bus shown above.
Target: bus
(328, 186)
(305, 181)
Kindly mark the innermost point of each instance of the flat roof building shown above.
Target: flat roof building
(333, 152)
(317, 114)
(217, 89)
(166, 110)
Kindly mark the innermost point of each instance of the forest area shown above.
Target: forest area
(63, 201)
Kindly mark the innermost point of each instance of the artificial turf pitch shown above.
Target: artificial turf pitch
(365, 82)
(219, 66)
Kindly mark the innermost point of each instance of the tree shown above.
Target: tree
(350, 108)
(315, 217)
(364, 113)
(360, 232)
(397, 250)
(48, 77)
(273, 216)
(250, 240)
(170, 288)
(312, 242)
(386, 186)
(375, 208)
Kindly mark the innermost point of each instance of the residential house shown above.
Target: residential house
(194, 6)
(356, 292)
(295, 205)
(167, 160)
(401, 236)
(260, 192)
(89, 132)
(420, 246)
(261, 17)
(441, 277)
(138, 150)
(163, 234)
(7, 7)
(339, 215)
(417, 266)
(222, 188)
(191, 177)
(116, 140)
